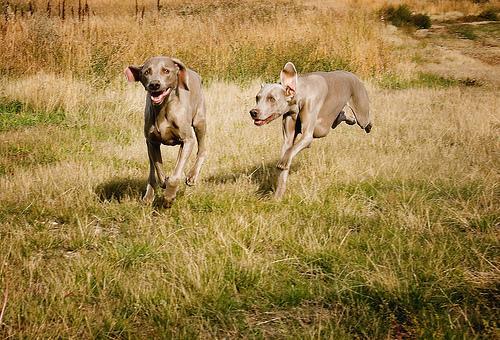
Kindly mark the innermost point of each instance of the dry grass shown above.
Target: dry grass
(223, 39)
(240, 40)
(390, 234)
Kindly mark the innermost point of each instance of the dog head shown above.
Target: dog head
(274, 100)
(159, 76)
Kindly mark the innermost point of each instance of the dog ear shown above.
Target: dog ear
(133, 73)
(182, 76)
(288, 77)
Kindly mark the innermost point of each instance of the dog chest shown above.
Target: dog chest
(164, 133)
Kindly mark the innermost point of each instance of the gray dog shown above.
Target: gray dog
(311, 105)
(174, 115)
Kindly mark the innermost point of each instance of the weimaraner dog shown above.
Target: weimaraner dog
(311, 104)
(174, 115)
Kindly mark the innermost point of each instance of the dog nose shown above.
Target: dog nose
(154, 86)
(253, 113)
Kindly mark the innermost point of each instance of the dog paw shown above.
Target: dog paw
(148, 199)
(278, 196)
(368, 128)
(163, 184)
(149, 195)
(190, 181)
(350, 120)
(168, 202)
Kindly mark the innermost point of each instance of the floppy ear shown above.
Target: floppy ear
(133, 73)
(288, 77)
(182, 76)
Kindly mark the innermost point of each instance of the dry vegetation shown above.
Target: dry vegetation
(388, 235)
(227, 39)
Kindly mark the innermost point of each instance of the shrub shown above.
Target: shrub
(421, 20)
(398, 16)
(402, 16)
(488, 14)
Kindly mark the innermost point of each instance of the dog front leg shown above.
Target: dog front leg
(200, 132)
(286, 161)
(150, 188)
(288, 138)
(288, 134)
(155, 156)
(172, 183)
(155, 167)
(308, 118)
(302, 142)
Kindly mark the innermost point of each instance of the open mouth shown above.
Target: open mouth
(158, 97)
(260, 122)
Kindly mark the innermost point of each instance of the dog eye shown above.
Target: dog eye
(257, 98)
(166, 70)
(147, 72)
(271, 99)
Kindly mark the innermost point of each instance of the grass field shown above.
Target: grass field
(392, 234)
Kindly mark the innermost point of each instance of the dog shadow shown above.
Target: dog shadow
(119, 188)
(264, 175)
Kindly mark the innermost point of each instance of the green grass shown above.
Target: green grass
(39, 138)
(312, 257)
(14, 114)
(422, 79)
(242, 67)
(483, 33)
(465, 32)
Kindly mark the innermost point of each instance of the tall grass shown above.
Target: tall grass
(222, 39)
(228, 39)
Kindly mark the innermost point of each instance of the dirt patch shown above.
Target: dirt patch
(462, 50)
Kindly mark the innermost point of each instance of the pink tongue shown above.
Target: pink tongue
(159, 99)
